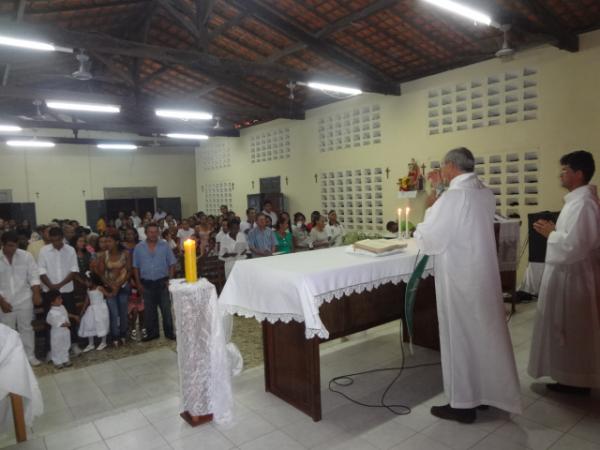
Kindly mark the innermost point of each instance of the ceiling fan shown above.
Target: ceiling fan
(38, 115)
(506, 53)
(83, 72)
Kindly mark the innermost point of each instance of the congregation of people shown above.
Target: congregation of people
(103, 287)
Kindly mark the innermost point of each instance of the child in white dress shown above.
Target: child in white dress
(60, 335)
(95, 320)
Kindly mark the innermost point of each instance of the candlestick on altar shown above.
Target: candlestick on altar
(407, 233)
(399, 222)
(191, 271)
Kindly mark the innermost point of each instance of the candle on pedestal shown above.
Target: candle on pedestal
(406, 228)
(399, 222)
(191, 272)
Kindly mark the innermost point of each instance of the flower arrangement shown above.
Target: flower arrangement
(414, 181)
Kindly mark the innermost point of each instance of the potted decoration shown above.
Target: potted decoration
(413, 182)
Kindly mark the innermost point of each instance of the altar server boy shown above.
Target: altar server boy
(566, 336)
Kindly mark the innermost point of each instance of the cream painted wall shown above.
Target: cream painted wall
(568, 119)
(56, 179)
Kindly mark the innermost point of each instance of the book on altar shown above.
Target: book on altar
(379, 245)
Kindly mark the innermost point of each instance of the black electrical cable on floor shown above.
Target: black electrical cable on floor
(398, 408)
(347, 380)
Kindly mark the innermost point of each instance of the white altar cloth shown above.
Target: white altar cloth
(294, 286)
(17, 377)
(204, 369)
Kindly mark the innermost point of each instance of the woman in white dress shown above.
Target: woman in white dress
(95, 320)
(319, 235)
(335, 230)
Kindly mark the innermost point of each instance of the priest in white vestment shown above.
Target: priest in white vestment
(566, 337)
(478, 363)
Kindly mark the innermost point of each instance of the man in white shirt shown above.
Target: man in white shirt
(185, 232)
(223, 231)
(268, 211)
(135, 219)
(247, 225)
(120, 219)
(158, 215)
(58, 267)
(19, 291)
(233, 246)
(566, 336)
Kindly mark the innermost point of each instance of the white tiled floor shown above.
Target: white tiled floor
(133, 404)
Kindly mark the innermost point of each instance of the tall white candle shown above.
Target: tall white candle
(406, 228)
(399, 222)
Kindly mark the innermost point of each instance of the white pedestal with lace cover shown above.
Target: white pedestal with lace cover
(204, 372)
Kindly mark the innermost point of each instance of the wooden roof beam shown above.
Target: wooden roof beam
(564, 38)
(199, 60)
(181, 18)
(145, 128)
(248, 90)
(321, 47)
(112, 68)
(154, 75)
(141, 143)
(203, 11)
(32, 93)
(336, 26)
(18, 17)
(362, 14)
(30, 11)
(216, 32)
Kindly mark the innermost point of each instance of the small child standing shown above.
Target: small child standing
(60, 335)
(95, 320)
(136, 313)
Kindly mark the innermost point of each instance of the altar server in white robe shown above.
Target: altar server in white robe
(566, 337)
(478, 364)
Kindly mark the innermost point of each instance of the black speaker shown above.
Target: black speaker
(537, 242)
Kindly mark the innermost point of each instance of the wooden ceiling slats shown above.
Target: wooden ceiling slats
(382, 40)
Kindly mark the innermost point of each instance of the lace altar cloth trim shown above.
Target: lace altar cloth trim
(319, 300)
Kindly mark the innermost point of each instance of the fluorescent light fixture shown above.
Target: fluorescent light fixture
(85, 107)
(194, 137)
(462, 10)
(117, 146)
(9, 128)
(24, 43)
(334, 88)
(33, 143)
(184, 115)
